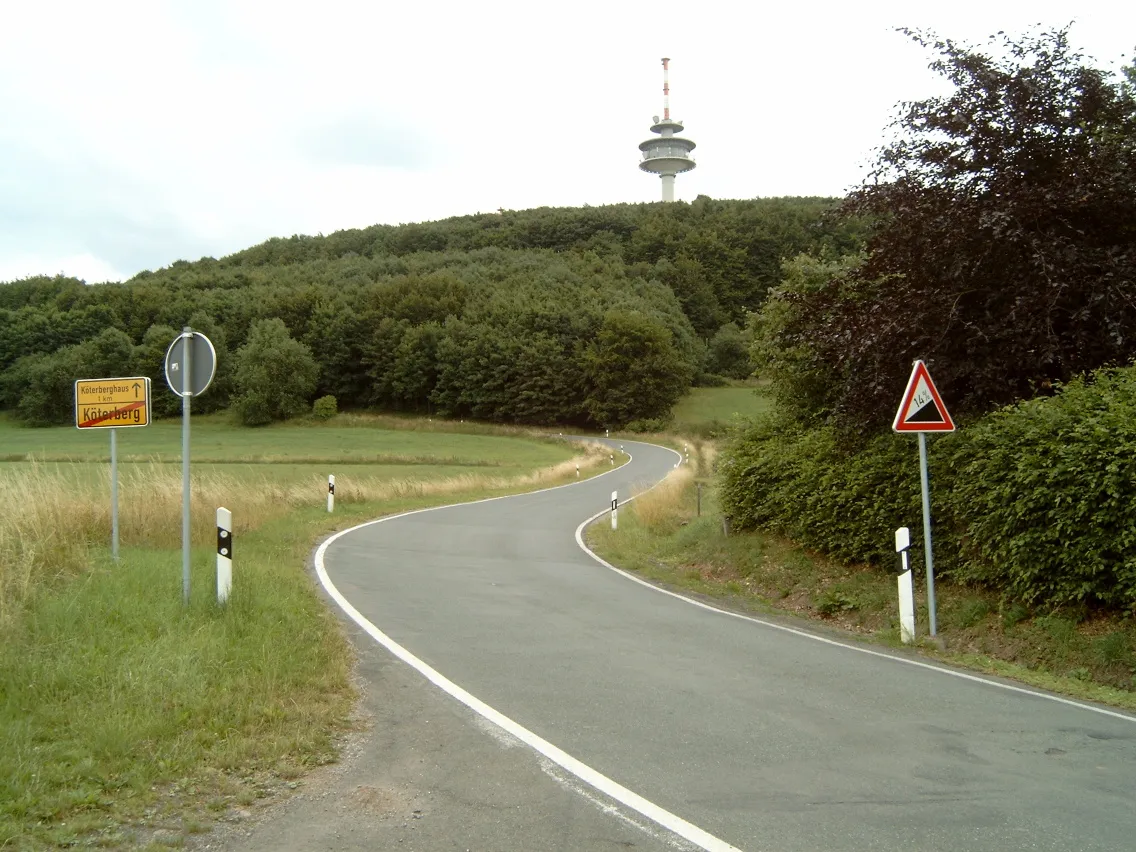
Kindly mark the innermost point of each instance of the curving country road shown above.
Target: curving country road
(710, 730)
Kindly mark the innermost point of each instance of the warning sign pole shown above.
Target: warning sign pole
(922, 410)
(926, 489)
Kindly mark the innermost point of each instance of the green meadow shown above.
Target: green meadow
(128, 720)
(710, 408)
(349, 439)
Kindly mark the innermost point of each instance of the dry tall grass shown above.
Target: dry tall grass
(50, 517)
(701, 452)
(703, 455)
(661, 508)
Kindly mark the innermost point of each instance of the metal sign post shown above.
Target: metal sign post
(113, 495)
(928, 554)
(189, 350)
(922, 410)
(111, 404)
(186, 375)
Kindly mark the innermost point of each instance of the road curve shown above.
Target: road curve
(753, 736)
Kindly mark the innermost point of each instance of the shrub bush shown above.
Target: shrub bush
(1034, 500)
(803, 483)
(275, 375)
(325, 408)
(1044, 491)
(710, 380)
(653, 424)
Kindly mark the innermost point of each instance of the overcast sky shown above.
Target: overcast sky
(134, 134)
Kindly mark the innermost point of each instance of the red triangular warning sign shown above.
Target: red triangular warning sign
(922, 409)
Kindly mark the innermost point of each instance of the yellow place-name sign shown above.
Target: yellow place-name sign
(112, 403)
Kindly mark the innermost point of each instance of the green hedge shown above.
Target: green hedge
(803, 483)
(1045, 492)
(1037, 500)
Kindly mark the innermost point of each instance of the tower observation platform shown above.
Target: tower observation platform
(667, 155)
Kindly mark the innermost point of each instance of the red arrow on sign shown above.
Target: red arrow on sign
(922, 409)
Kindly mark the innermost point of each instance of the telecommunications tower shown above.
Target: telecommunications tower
(667, 155)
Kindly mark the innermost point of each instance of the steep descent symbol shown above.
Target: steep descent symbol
(922, 409)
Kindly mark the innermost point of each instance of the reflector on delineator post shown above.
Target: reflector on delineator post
(224, 554)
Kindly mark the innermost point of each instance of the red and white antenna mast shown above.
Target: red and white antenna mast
(668, 154)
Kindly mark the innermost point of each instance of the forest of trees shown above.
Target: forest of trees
(597, 316)
(995, 239)
(1004, 245)
(1003, 253)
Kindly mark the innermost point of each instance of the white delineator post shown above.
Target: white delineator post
(906, 592)
(224, 554)
(612, 458)
(577, 471)
(331, 492)
(614, 510)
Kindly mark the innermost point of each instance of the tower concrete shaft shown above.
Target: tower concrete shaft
(667, 155)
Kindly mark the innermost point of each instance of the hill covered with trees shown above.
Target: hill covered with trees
(599, 316)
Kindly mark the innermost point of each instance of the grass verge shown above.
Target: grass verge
(663, 538)
(130, 721)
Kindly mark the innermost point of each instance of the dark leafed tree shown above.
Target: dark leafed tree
(47, 381)
(729, 353)
(1004, 248)
(415, 367)
(337, 334)
(634, 370)
(150, 360)
(275, 375)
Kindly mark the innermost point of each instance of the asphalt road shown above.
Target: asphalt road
(760, 737)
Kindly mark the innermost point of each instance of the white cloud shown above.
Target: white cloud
(85, 267)
(137, 133)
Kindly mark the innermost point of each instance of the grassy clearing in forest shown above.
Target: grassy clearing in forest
(130, 721)
(704, 408)
(1082, 654)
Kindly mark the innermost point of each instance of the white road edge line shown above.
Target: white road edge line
(593, 778)
(569, 782)
(805, 634)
